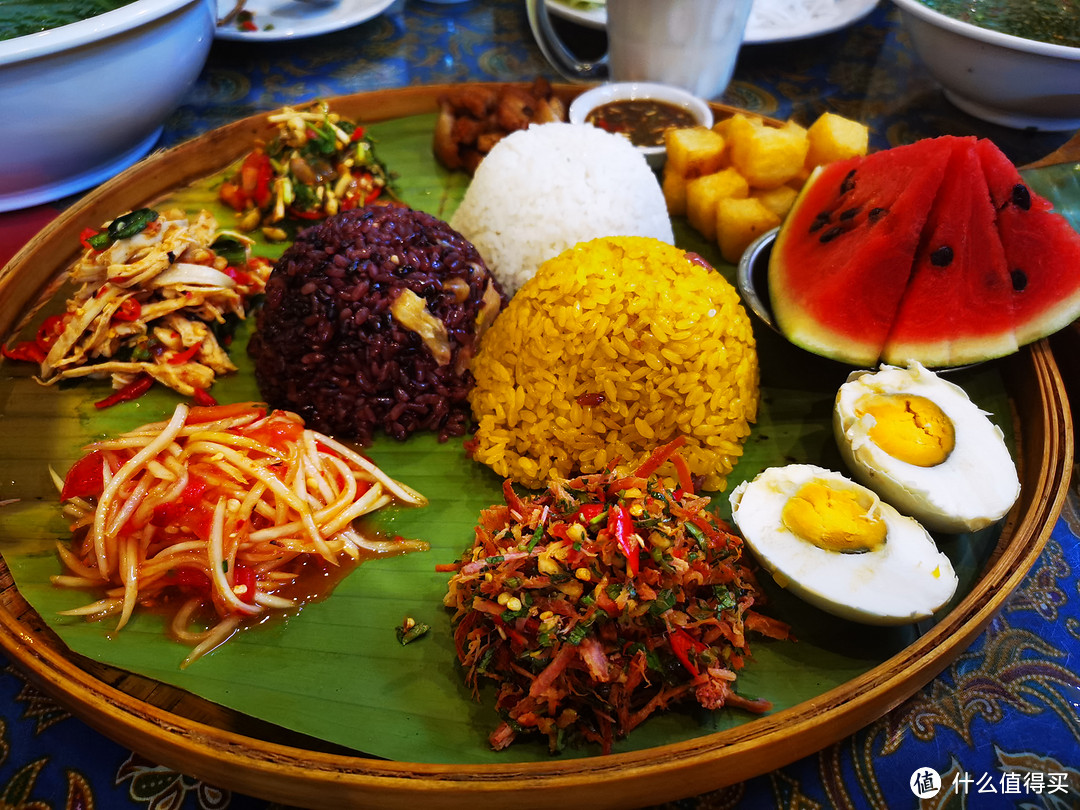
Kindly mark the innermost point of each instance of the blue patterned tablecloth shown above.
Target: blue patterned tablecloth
(1000, 727)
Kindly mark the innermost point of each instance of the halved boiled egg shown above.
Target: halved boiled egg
(837, 545)
(925, 447)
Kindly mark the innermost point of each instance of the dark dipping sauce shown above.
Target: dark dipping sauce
(642, 120)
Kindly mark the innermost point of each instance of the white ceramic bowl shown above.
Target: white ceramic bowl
(1007, 80)
(588, 101)
(83, 101)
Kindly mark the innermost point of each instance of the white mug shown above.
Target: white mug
(692, 44)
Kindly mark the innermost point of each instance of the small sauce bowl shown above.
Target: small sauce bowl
(663, 94)
(752, 279)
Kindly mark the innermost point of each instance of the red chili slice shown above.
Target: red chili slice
(244, 583)
(184, 356)
(683, 644)
(133, 390)
(129, 311)
(26, 351)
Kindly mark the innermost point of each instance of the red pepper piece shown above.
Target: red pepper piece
(588, 512)
(305, 214)
(85, 479)
(682, 469)
(84, 238)
(683, 644)
(255, 178)
(659, 456)
(203, 398)
(276, 434)
(213, 413)
(133, 390)
(621, 526)
(50, 331)
(27, 351)
(129, 311)
(188, 511)
(182, 357)
(244, 583)
(233, 196)
(241, 277)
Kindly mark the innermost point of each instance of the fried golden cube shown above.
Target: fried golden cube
(767, 156)
(724, 126)
(739, 221)
(704, 193)
(833, 137)
(674, 188)
(693, 151)
(778, 200)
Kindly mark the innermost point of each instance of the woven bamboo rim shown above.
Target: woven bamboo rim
(225, 748)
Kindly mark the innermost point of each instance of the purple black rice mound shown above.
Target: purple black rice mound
(331, 345)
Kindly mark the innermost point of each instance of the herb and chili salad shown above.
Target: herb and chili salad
(316, 165)
(601, 600)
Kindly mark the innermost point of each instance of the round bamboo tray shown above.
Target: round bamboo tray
(213, 743)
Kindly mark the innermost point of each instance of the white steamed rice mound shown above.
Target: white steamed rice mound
(546, 188)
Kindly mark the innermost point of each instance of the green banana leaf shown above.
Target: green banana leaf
(1061, 185)
(335, 670)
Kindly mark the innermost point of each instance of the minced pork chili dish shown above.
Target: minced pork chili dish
(370, 322)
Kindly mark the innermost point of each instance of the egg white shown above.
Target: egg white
(903, 581)
(975, 486)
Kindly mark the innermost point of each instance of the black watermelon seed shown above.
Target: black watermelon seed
(942, 257)
(830, 234)
(877, 213)
(850, 213)
(820, 221)
(1019, 280)
(1021, 197)
(848, 183)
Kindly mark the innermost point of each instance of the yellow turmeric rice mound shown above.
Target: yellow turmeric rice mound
(614, 347)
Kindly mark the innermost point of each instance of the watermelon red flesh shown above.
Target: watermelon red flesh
(957, 308)
(842, 259)
(1042, 251)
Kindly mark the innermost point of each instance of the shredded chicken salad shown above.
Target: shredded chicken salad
(602, 600)
(214, 513)
(155, 291)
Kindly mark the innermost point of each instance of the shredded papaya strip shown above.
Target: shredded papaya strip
(216, 516)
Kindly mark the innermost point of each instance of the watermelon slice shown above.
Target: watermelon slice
(956, 307)
(1041, 249)
(844, 254)
(936, 252)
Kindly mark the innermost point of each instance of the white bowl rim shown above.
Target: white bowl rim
(81, 32)
(617, 91)
(972, 31)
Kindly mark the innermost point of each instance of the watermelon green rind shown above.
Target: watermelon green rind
(957, 307)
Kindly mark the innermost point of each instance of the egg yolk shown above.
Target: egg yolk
(910, 428)
(832, 519)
